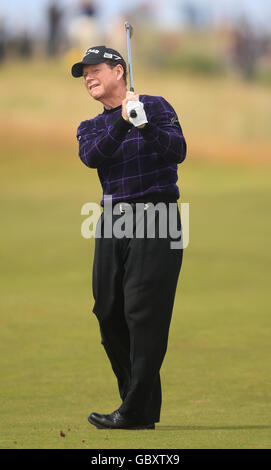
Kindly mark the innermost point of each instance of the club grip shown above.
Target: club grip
(133, 113)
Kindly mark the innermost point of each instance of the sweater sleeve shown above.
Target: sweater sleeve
(96, 147)
(164, 132)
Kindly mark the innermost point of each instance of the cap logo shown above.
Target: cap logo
(174, 120)
(95, 51)
(107, 55)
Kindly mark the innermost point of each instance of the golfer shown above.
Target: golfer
(134, 278)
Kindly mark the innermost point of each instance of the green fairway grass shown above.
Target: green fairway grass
(54, 371)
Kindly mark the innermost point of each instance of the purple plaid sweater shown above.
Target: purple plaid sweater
(135, 164)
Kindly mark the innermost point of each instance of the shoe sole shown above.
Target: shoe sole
(100, 426)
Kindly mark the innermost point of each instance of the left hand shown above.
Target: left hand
(131, 96)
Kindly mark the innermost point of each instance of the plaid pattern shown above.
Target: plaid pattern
(135, 164)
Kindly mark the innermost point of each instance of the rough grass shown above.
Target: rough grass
(216, 375)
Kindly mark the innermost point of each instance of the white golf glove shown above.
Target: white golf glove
(138, 108)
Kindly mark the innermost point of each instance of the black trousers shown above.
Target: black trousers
(134, 285)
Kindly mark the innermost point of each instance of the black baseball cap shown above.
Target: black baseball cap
(96, 55)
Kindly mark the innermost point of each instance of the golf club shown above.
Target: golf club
(129, 33)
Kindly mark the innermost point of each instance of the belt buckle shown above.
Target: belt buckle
(122, 210)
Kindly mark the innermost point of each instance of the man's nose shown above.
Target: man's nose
(88, 77)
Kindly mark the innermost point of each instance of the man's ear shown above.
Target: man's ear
(120, 71)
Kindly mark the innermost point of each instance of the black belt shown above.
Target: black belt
(125, 206)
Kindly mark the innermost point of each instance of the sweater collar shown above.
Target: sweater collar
(108, 111)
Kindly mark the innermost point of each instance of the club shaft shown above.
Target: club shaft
(129, 56)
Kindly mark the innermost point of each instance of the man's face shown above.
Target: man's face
(101, 80)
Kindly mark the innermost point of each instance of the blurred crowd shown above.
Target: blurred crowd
(80, 24)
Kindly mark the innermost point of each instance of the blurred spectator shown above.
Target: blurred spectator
(83, 29)
(2, 41)
(111, 22)
(87, 8)
(54, 15)
(245, 49)
(25, 45)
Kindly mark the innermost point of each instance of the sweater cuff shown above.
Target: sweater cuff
(149, 132)
(120, 128)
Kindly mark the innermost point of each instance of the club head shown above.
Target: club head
(129, 28)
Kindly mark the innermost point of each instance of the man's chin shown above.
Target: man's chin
(96, 94)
